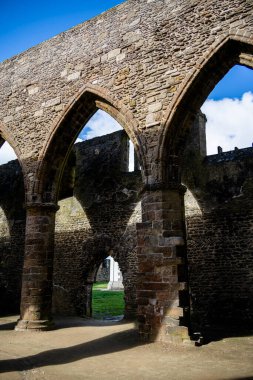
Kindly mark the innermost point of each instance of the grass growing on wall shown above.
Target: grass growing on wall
(106, 303)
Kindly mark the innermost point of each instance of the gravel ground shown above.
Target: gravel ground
(89, 349)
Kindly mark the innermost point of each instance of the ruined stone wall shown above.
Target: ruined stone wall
(103, 273)
(141, 55)
(150, 65)
(97, 220)
(219, 220)
(100, 219)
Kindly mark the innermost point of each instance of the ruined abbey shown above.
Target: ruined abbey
(179, 225)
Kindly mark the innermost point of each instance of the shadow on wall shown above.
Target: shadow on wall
(219, 242)
(12, 236)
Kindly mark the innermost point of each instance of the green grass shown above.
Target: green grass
(106, 303)
(99, 285)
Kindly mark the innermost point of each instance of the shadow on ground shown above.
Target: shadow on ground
(7, 326)
(66, 322)
(217, 333)
(113, 343)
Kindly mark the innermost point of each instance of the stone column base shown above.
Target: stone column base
(167, 334)
(25, 325)
(177, 335)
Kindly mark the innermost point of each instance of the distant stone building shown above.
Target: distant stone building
(116, 278)
(103, 273)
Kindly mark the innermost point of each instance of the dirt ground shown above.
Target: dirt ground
(89, 349)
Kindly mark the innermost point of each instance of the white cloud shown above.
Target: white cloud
(100, 124)
(6, 153)
(229, 123)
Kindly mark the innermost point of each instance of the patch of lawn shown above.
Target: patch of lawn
(99, 285)
(106, 303)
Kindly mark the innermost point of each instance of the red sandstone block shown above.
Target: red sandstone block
(143, 301)
(146, 293)
(154, 286)
(145, 267)
(144, 225)
(153, 277)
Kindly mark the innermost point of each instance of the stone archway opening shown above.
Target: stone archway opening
(229, 114)
(98, 195)
(108, 291)
(62, 138)
(217, 237)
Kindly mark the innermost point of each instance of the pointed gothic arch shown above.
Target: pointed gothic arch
(227, 52)
(65, 131)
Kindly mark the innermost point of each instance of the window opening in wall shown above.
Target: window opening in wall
(229, 112)
(108, 292)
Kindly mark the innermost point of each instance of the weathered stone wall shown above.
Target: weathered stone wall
(140, 58)
(100, 219)
(150, 65)
(219, 240)
(103, 273)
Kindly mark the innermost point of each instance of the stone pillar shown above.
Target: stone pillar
(36, 295)
(162, 289)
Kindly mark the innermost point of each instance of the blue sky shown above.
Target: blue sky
(25, 23)
(237, 81)
(229, 107)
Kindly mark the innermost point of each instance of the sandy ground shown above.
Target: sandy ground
(88, 349)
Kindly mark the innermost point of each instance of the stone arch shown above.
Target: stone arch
(209, 70)
(61, 138)
(215, 63)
